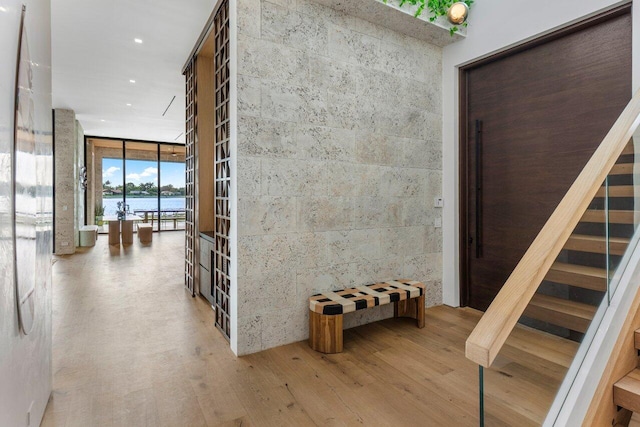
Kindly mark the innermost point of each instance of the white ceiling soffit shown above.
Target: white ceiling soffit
(95, 58)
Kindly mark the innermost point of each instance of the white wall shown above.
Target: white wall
(495, 25)
(25, 360)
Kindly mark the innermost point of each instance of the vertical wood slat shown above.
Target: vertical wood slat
(222, 262)
(190, 148)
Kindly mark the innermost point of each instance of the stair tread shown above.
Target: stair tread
(615, 216)
(622, 169)
(539, 344)
(580, 269)
(574, 308)
(562, 312)
(626, 392)
(591, 238)
(617, 191)
(578, 275)
(596, 244)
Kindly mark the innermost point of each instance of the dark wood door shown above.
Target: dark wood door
(543, 111)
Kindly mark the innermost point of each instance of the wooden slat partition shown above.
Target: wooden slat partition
(222, 171)
(488, 337)
(189, 162)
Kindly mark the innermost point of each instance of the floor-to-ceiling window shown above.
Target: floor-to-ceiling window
(109, 181)
(141, 190)
(172, 187)
(148, 178)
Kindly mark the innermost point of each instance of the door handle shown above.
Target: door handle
(478, 188)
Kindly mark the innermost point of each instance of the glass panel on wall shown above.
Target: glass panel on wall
(108, 192)
(172, 187)
(141, 168)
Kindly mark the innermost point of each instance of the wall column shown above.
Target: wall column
(65, 181)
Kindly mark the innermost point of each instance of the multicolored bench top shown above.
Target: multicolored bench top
(362, 297)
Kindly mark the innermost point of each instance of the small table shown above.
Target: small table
(127, 228)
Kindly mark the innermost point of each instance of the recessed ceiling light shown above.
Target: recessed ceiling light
(132, 81)
(102, 120)
(2, 9)
(128, 105)
(139, 41)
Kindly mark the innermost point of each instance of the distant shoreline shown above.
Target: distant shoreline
(142, 203)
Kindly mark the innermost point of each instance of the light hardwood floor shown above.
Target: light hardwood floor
(132, 348)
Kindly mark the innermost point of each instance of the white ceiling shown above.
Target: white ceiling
(94, 56)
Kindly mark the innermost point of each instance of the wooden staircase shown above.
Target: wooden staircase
(626, 392)
(577, 281)
(560, 283)
(616, 401)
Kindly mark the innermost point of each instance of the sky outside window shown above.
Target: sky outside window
(140, 171)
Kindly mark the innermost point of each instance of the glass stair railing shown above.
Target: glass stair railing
(534, 361)
(525, 366)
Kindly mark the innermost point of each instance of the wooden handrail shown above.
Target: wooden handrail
(489, 335)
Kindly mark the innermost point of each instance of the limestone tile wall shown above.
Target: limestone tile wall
(339, 160)
(65, 152)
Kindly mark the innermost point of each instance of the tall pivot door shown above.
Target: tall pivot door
(222, 258)
(533, 119)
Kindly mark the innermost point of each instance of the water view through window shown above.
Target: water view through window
(150, 180)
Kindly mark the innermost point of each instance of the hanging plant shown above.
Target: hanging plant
(436, 9)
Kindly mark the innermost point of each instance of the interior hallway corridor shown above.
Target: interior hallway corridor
(130, 345)
(132, 348)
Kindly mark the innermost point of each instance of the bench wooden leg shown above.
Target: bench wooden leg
(325, 332)
(413, 308)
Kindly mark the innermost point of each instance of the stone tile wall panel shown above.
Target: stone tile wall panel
(325, 213)
(266, 215)
(65, 181)
(292, 177)
(339, 159)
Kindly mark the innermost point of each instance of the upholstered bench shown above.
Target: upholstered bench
(326, 310)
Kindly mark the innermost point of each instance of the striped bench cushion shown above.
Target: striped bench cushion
(361, 297)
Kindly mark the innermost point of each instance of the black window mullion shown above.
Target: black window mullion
(124, 174)
(159, 190)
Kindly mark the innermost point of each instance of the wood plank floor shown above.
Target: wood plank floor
(132, 348)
